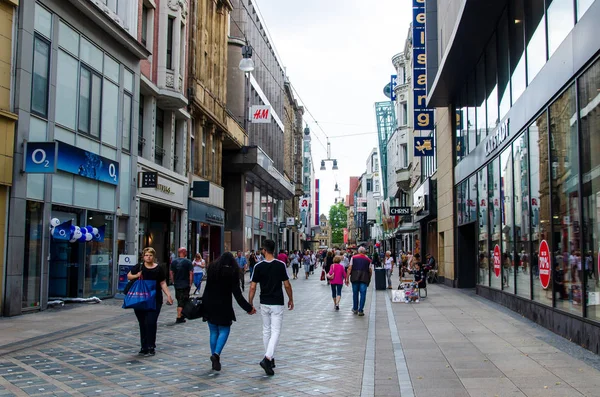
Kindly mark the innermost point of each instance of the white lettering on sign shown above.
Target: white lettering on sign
(497, 137)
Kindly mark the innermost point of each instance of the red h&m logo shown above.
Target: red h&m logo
(260, 114)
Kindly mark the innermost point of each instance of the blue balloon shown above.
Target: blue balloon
(82, 238)
(89, 229)
(72, 228)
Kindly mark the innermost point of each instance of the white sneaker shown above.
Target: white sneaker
(417, 301)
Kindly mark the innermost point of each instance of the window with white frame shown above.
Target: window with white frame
(170, 34)
(403, 156)
(403, 113)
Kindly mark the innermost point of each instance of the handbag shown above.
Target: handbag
(141, 295)
(322, 275)
(193, 309)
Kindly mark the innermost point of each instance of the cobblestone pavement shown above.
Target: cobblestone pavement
(451, 344)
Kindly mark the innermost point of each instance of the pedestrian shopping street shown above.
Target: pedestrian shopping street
(451, 344)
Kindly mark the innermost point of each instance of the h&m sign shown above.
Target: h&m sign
(423, 117)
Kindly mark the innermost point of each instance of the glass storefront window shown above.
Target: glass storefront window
(461, 127)
(32, 266)
(521, 205)
(503, 67)
(263, 207)
(249, 190)
(589, 113)
(491, 84)
(516, 26)
(256, 203)
(483, 274)
(494, 222)
(535, 29)
(461, 202)
(540, 206)
(582, 7)
(566, 224)
(470, 115)
(99, 256)
(507, 213)
(481, 121)
(561, 18)
(175, 226)
(472, 199)
(269, 209)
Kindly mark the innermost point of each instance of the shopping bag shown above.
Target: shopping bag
(397, 295)
(141, 295)
(193, 309)
(322, 275)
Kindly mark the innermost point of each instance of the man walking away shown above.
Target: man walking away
(182, 276)
(243, 265)
(359, 273)
(270, 274)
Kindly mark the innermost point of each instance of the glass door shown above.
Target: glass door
(66, 258)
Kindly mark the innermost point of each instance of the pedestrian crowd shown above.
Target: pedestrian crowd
(224, 279)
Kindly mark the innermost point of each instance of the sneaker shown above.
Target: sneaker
(267, 365)
(151, 351)
(417, 301)
(354, 311)
(180, 320)
(215, 359)
(360, 314)
(337, 307)
(143, 352)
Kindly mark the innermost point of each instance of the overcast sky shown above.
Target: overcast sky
(338, 55)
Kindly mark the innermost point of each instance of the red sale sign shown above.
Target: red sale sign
(544, 264)
(497, 261)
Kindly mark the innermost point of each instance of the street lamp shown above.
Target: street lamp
(334, 161)
(246, 63)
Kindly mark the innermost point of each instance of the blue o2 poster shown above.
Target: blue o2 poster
(86, 164)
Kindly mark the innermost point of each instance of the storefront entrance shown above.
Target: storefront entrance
(159, 229)
(81, 268)
(466, 256)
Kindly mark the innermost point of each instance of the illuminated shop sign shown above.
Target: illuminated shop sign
(423, 117)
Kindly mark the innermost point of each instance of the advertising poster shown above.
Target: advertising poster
(80, 162)
(126, 262)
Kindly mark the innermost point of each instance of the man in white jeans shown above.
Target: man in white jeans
(270, 273)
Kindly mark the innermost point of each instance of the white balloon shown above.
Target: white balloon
(95, 231)
(52, 230)
(77, 228)
(54, 222)
(72, 240)
(77, 234)
(88, 237)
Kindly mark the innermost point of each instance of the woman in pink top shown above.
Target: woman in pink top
(337, 275)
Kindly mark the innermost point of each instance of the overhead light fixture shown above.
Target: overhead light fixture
(336, 188)
(517, 21)
(335, 167)
(246, 63)
(322, 165)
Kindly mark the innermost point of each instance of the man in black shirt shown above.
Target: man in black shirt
(182, 276)
(270, 274)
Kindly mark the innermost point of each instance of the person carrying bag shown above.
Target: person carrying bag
(148, 275)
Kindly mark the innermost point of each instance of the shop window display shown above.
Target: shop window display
(507, 213)
(98, 257)
(483, 256)
(589, 113)
(540, 207)
(521, 216)
(495, 254)
(566, 224)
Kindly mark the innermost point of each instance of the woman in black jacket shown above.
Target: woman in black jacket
(222, 281)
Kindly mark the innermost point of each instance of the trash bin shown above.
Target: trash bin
(380, 279)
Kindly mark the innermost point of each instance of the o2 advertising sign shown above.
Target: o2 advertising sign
(497, 261)
(544, 264)
(40, 157)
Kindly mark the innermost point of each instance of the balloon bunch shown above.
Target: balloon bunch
(67, 231)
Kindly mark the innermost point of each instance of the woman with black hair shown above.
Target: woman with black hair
(222, 281)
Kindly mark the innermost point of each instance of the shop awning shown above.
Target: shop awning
(255, 163)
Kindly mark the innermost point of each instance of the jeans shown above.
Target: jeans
(272, 318)
(148, 319)
(356, 288)
(218, 337)
(198, 280)
(388, 273)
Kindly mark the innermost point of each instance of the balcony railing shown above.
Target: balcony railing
(141, 144)
(159, 153)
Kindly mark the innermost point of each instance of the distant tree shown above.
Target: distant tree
(338, 221)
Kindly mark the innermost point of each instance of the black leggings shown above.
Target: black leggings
(148, 320)
(295, 269)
